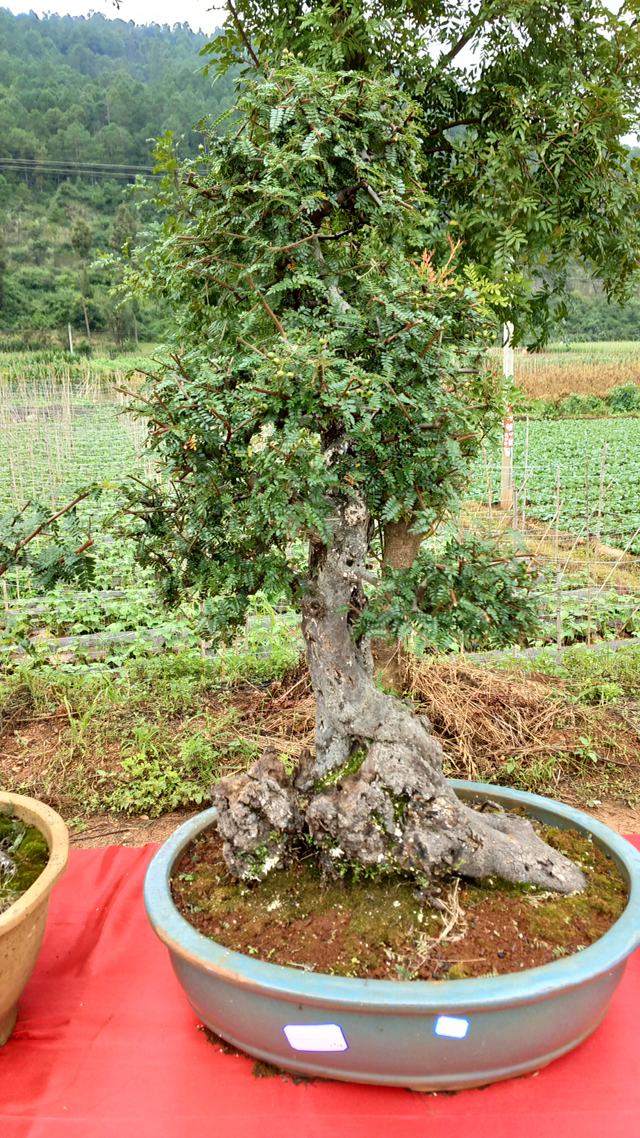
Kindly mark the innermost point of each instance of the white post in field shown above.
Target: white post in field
(506, 474)
(70, 339)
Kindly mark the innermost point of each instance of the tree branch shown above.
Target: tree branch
(49, 521)
(450, 125)
(236, 20)
(474, 27)
(267, 309)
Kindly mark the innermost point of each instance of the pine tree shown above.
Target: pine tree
(123, 231)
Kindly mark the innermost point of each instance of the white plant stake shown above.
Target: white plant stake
(506, 479)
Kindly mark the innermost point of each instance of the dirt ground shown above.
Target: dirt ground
(111, 830)
(487, 722)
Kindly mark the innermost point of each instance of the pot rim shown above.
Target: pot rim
(408, 996)
(55, 831)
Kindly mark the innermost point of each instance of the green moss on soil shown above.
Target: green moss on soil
(29, 852)
(387, 928)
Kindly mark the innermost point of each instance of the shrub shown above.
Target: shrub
(582, 405)
(624, 397)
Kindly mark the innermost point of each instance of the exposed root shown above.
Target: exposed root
(374, 793)
(454, 915)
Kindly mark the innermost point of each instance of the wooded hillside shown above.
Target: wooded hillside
(80, 100)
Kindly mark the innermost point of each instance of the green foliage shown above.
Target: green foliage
(569, 443)
(154, 781)
(96, 90)
(81, 238)
(625, 397)
(60, 552)
(3, 267)
(77, 91)
(586, 675)
(465, 594)
(524, 106)
(123, 231)
(146, 737)
(320, 343)
(595, 318)
(603, 614)
(575, 405)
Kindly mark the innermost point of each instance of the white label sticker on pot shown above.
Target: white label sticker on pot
(452, 1026)
(315, 1037)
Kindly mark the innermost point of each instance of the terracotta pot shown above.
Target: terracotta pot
(22, 925)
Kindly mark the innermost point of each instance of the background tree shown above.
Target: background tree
(3, 269)
(92, 90)
(81, 242)
(123, 232)
(123, 239)
(524, 104)
(330, 380)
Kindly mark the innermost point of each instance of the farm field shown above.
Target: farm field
(584, 369)
(569, 453)
(61, 428)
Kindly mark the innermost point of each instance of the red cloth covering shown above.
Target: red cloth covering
(106, 1046)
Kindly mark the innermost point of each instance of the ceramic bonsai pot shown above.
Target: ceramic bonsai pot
(22, 925)
(425, 1035)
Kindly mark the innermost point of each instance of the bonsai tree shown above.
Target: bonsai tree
(327, 379)
(524, 107)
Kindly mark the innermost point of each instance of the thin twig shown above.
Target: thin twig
(240, 28)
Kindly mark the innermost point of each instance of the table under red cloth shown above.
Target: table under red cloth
(106, 1046)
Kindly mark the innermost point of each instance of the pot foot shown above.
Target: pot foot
(7, 1024)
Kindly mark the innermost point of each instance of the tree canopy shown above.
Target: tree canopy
(524, 105)
(327, 379)
(320, 344)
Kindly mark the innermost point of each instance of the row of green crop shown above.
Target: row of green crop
(569, 453)
(103, 362)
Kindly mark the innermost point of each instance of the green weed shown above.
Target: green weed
(148, 738)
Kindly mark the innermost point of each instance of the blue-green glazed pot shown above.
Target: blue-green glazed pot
(426, 1035)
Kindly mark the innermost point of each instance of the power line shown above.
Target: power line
(92, 169)
(81, 165)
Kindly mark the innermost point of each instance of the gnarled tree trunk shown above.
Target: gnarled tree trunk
(375, 792)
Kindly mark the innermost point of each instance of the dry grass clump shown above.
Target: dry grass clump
(281, 717)
(542, 378)
(482, 718)
(490, 724)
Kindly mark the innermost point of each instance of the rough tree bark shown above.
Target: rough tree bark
(374, 793)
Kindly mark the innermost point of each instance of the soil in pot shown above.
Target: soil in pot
(387, 927)
(24, 854)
